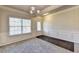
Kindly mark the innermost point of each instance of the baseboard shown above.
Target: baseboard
(62, 43)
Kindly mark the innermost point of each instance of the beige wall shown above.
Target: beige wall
(4, 36)
(63, 24)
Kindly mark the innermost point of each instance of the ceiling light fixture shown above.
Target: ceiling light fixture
(34, 11)
(32, 8)
(46, 14)
(31, 12)
(38, 11)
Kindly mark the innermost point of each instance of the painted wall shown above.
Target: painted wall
(4, 36)
(63, 25)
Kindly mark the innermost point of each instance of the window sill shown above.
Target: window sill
(19, 34)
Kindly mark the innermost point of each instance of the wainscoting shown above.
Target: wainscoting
(62, 43)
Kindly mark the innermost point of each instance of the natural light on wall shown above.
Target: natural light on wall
(19, 26)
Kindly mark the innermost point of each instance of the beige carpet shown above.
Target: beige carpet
(33, 46)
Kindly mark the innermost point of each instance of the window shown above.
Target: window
(26, 26)
(38, 26)
(19, 26)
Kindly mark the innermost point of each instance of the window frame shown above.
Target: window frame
(21, 26)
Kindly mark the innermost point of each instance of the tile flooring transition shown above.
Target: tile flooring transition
(34, 45)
